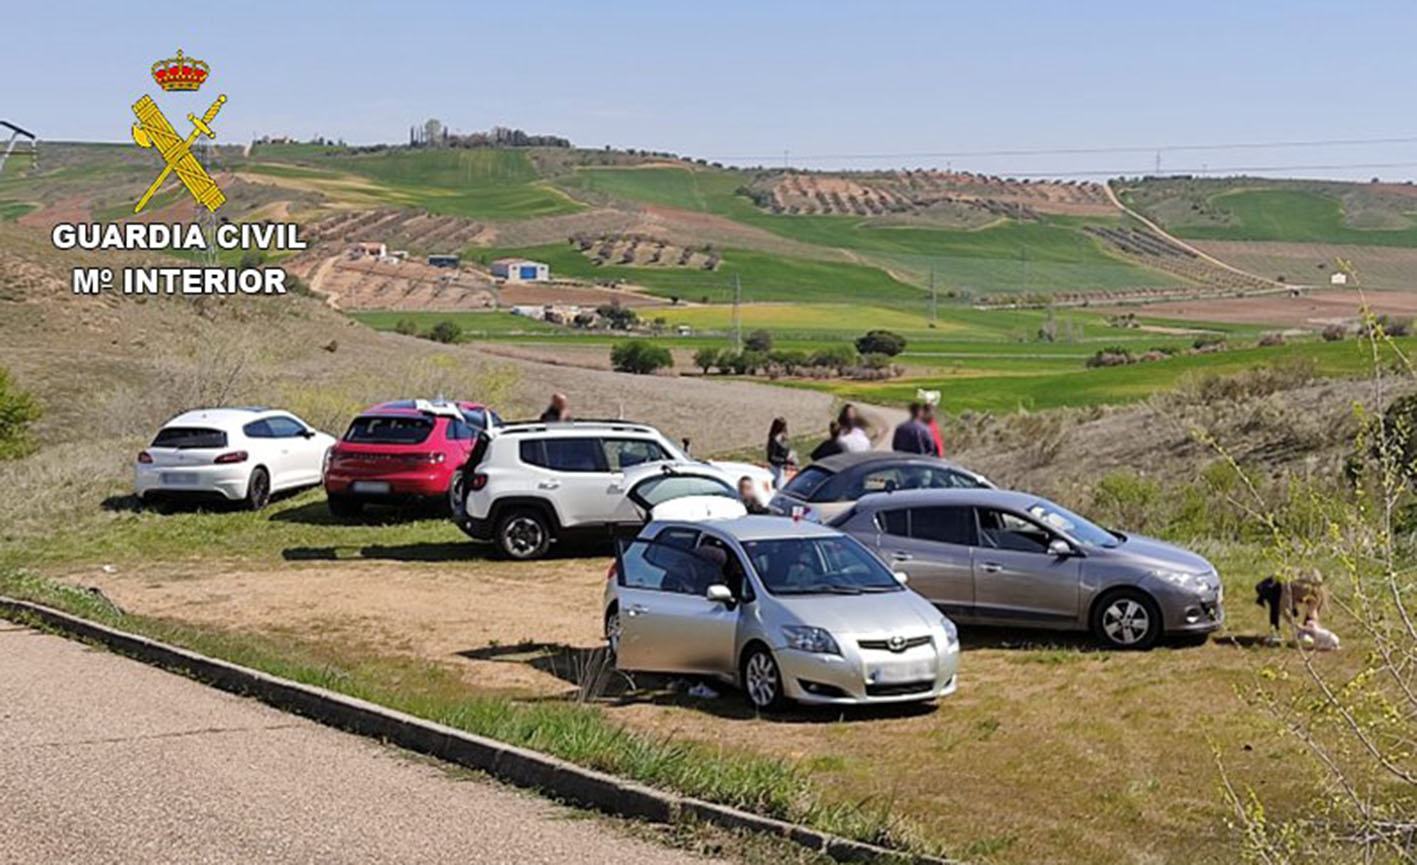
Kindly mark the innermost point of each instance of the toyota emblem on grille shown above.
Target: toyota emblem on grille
(896, 643)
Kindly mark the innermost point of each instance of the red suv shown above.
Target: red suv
(409, 449)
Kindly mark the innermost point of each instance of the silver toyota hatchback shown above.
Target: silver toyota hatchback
(787, 611)
(1010, 558)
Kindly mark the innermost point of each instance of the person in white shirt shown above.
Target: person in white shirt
(852, 436)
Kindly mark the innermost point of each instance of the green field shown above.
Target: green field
(479, 184)
(10, 209)
(473, 324)
(1079, 386)
(1295, 216)
(764, 276)
(1004, 257)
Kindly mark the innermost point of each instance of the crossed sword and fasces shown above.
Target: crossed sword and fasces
(152, 129)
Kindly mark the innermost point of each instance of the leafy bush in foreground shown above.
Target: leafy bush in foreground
(18, 409)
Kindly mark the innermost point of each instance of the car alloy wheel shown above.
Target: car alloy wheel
(762, 681)
(258, 490)
(612, 632)
(1126, 621)
(524, 537)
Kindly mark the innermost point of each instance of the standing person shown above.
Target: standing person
(832, 445)
(852, 435)
(931, 401)
(913, 436)
(559, 410)
(779, 451)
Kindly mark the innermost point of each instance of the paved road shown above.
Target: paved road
(103, 759)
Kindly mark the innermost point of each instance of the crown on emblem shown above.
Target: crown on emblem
(180, 73)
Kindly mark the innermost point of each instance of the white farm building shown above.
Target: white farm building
(521, 270)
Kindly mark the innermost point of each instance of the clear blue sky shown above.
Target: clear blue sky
(728, 79)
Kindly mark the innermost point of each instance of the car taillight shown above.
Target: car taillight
(610, 572)
(428, 458)
(479, 480)
(145, 458)
(232, 457)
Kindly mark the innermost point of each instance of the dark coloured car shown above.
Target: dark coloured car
(826, 488)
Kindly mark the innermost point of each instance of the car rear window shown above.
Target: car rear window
(807, 482)
(189, 437)
(377, 430)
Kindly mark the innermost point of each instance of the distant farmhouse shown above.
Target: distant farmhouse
(1338, 279)
(521, 270)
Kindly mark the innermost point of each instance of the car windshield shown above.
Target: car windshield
(807, 482)
(1069, 523)
(663, 488)
(389, 430)
(818, 566)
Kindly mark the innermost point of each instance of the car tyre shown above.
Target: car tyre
(524, 534)
(762, 680)
(612, 634)
(457, 498)
(344, 506)
(258, 489)
(1127, 619)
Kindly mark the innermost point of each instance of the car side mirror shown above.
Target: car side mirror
(719, 594)
(901, 577)
(1060, 548)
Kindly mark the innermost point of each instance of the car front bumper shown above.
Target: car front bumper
(869, 676)
(228, 481)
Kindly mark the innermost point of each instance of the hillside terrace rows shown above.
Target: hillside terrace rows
(1146, 247)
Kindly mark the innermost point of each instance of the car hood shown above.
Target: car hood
(868, 615)
(1151, 553)
(692, 508)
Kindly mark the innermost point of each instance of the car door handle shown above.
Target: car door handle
(901, 557)
(991, 567)
(637, 610)
(549, 485)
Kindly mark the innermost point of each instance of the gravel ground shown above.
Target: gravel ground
(104, 759)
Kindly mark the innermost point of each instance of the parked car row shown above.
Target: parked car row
(846, 592)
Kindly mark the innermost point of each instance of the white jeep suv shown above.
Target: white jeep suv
(532, 484)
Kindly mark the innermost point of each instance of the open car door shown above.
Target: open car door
(668, 624)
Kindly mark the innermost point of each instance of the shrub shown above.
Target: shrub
(881, 342)
(758, 340)
(445, 331)
(640, 357)
(837, 357)
(406, 326)
(1271, 339)
(707, 358)
(1335, 333)
(790, 361)
(1113, 355)
(1208, 343)
(616, 316)
(18, 409)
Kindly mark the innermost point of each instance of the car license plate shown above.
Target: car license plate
(176, 479)
(372, 488)
(892, 674)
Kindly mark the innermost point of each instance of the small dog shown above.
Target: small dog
(1303, 599)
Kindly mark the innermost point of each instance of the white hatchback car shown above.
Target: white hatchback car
(232, 454)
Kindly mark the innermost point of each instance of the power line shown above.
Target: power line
(1081, 151)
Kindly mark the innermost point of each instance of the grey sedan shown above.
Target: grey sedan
(785, 610)
(1010, 558)
(825, 489)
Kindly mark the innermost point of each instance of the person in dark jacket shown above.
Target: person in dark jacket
(830, 447)
(559, 410)
(913, 436)
(780, 455)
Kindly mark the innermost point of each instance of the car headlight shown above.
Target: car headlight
(805, 638)
(1193, 582)
(951, 632)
